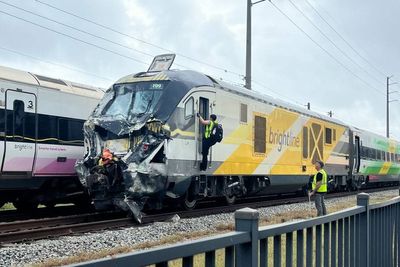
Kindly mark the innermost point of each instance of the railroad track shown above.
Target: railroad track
(15, 215)
(27, 230)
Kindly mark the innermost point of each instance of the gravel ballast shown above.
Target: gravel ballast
(22, 254)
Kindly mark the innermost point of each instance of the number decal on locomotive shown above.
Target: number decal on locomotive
(30, 104)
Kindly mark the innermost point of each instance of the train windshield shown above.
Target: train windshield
(133, 99)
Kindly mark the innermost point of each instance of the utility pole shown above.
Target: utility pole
(248, 43)
(388, 102)
(248, 46)
(330, 113)
(387, 106)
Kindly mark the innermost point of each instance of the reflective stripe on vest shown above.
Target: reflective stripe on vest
(324, 183)
(209, 128)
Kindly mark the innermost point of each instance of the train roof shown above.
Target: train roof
(25, 77)
(196, 79)
(276, 102)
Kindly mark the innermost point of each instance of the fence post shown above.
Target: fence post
(363, 200)
(246, 220)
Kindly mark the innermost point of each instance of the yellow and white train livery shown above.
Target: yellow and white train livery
(148, 121)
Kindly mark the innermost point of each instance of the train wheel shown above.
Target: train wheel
(189, 202)
(25, 205)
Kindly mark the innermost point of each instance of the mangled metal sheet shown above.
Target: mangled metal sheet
(131, 121)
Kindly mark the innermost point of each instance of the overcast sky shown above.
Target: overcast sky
(331, 75)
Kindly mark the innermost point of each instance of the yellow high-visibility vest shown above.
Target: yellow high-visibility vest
(209, 128)
(324, 183)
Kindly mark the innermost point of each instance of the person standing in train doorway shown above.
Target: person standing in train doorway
(207, 140)
(320, 188)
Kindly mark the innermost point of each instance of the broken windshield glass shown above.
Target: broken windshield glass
(133, 99)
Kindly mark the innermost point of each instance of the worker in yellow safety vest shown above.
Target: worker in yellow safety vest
(207, 142)
(320, 188)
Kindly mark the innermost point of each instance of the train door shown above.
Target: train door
(356, 166)
(205, 105)
(20, 131)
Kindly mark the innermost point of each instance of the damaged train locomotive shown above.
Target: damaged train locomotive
(143, 144)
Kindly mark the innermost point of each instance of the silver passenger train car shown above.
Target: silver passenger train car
(148, 122)
(41, 121)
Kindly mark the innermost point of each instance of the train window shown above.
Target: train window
(2, 122)
(387, 156)
(334, 134)
(47, 129)
(30, 125)
(189, 108)
(18, 120)
(305, 142)
(260, 126)
(371, 153)
(328, 136)
(391, 157)
(382, 155)
(243, 113)
(70, 131)
(364, 152)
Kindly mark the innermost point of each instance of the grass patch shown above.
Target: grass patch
(220, 228)
(85, 256)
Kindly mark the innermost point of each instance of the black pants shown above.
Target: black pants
(206, 144)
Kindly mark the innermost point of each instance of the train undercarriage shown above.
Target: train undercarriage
(28, 193)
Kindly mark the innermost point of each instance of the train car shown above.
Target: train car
(41, 134)
(376, 158)
(148, 121)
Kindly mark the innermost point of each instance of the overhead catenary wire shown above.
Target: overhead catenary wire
(344, 40)
(75, 38)
(138, 39)
(333, 43)
(325, 50)
(77, 29)
(278, 93)
(54, 63)
(107, 49)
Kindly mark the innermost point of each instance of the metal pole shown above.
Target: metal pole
(387, 106)
(364, 231)
(246, 220)
(248, 46)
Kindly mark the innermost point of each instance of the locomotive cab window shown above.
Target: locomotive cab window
(189, 108)
(328, 136)
(260, 126)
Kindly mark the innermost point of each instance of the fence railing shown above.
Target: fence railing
(365, 235)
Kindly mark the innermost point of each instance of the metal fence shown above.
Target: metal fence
(365, 235)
